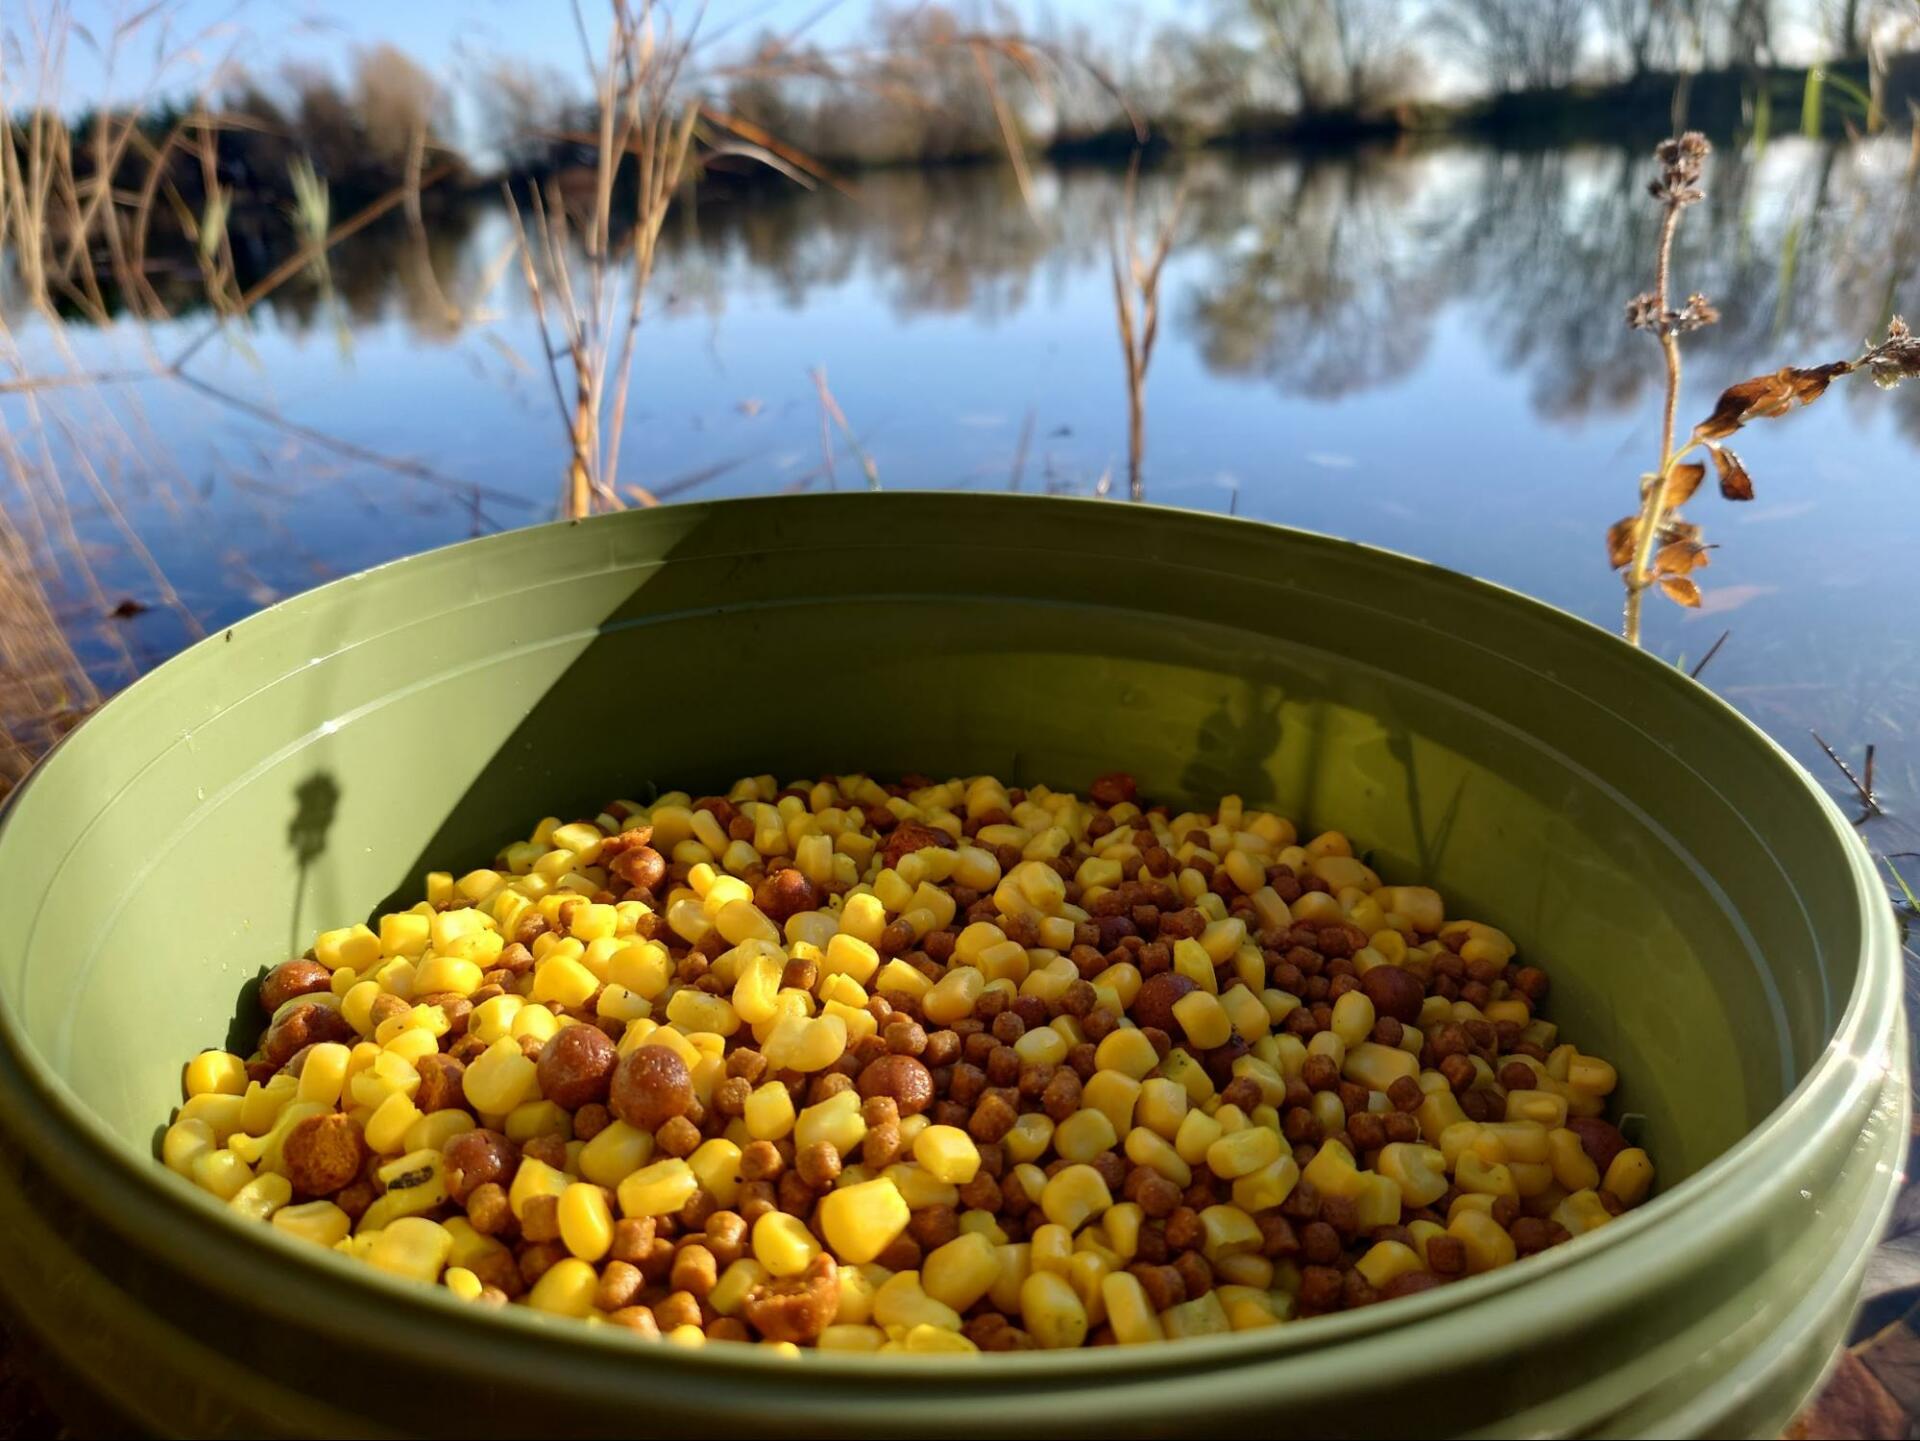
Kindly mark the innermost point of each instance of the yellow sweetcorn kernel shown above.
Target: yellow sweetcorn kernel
(1386, 1260)
(717, 1165)
(321, 1222)
(769, 1112)
(655, 1190)
(1198, 1131)
(215, 1073)
(220, 1112)
(1333, 1173)
(1484, 1239)
(730, 1291)
(411, 1246)
(223, 1173)
(1129, 1312)
(1267, 1187)
(434, 1129)
(1128, 1052)
(1084, 1273)
(1115, 1094)
(462, 1282)
(1229, 1231)
(1162, 1106)
(1084, 1135)
(1190, 959)
(1438, 1113)
(1591, 1076)
(1420, 1172)
(1205, 1316)
(566, 1288)
(861, 1220)
(615, 1153)
(1032, 1133)
(947, 1153)
(962, 1271)
(1581, 1212)
(1181, 1067)
(499, 1078)
(864, 918)
(696, 1011)
(1074, 1195)
(850, 1337)
(926, 1339)
(836, 1121)
(1573, 1168)
(1629, 1176)
(405, 933)
(386, 1129)
(563, 979)
(1491, 1179)
(1042, 1046)
(354, 947)
(1052, 1312)
(586, 1221)
(1152, 1150)
(953, 995)
(184, 1143)
(857, 1287)
(1243, 1152)
(902, 1302)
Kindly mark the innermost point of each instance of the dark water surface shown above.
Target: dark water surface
(1420, 348)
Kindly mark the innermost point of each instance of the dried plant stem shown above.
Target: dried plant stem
(1136, 301)
(1863, 789)
(1653, 500)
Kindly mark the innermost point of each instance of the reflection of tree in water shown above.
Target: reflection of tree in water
(1326, 271)
(1322, 272)
(388, 265)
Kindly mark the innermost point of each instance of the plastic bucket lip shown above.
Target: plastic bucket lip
(1855, 1063)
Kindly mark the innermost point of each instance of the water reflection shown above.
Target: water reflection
(1322, 274)
(1419, 345)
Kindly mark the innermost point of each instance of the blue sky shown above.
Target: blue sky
(448, 36)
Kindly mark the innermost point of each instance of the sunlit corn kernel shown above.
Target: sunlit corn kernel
(1179, 1066)
(1204, 1316)
(862, 1220)
(499, 1078)
(1573, 1168)
(220, 1172)
(215, 1073)
(616, 1153)
(902, 1302)
(1243, 1152)
(1420, 1172)
(320, 1222)
(1051, 1312)
(1074, 1195)
(730, 1291)
(960, 1272)
(658, 1189)
(565, 1289)
(1484, 1239)
(1267, 1187)
(1629, 1176)
(262, 1196)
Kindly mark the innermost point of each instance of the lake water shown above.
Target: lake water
(1420, 347)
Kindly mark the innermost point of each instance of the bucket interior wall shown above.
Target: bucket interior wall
(1694, 933)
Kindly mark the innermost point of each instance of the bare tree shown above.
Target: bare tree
(1519, 44)
(1332, 52)
(1639, 30)
(1370, 42)
(1298, 36)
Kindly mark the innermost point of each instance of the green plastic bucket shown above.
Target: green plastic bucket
(1710, 922)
